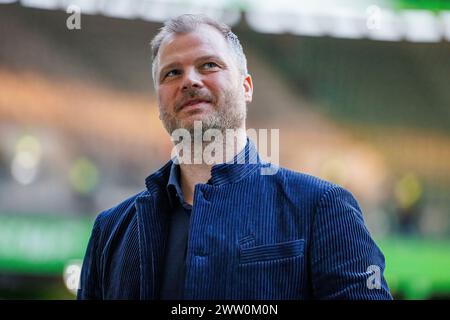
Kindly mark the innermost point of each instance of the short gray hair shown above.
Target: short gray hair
(189, 22)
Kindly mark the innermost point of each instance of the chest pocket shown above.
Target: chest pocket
(269, 252)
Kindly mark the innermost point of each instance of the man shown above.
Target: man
(222, 229)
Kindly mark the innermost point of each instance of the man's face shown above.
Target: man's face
(198, 80)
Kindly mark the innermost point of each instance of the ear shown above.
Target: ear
(248, 88)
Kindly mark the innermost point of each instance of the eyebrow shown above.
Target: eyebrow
(210, 57)
(177, 64)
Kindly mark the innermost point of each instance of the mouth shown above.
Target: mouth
(192, 104)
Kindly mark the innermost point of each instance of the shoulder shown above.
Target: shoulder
(302, 183)
(299, 179)
(303, 188)
(124, 213)
(107, 219)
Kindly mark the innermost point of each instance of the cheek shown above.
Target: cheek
(165, 98)
(219, 85)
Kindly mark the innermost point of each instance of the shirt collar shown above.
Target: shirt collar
(174, 191)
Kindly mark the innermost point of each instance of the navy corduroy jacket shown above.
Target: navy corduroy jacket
(252, 236)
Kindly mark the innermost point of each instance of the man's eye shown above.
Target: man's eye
(172, 73)
(210, 65)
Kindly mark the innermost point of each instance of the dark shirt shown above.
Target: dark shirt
(175, 259)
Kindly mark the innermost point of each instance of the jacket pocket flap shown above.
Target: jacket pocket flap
(273, 251)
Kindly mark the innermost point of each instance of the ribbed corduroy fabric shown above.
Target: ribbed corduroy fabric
(252, 236)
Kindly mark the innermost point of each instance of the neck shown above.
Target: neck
(193, 174)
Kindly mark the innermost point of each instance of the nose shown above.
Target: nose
(192, 79)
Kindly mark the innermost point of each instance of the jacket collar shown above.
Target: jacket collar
(243, 164)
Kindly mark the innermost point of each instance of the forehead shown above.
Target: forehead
(204, 40)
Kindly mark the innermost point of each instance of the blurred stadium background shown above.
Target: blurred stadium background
(359, 90)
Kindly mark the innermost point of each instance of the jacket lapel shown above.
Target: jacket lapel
(152, 209)
(152, 230)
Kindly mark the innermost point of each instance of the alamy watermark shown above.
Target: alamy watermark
(73, 22)
(374, 14)
(213, 146)
(374, 280)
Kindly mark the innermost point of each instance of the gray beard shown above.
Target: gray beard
(231, 115)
